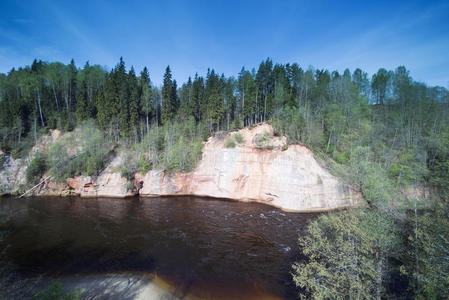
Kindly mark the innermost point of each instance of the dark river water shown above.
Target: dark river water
(203, 247)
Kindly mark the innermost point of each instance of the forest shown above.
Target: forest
(386, 134)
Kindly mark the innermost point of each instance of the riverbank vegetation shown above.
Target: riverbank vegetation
(387, 135)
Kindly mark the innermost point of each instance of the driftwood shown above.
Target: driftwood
(30, 190)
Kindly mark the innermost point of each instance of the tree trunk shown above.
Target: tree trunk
(66, 98)
(148, 125)
(328, 142)
(56, 98)
(40, 109)
(265, 108)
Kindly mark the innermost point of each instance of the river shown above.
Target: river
(194, 247)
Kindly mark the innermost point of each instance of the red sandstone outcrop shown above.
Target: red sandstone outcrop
(289, 178)
(261, 168)
(108, 184)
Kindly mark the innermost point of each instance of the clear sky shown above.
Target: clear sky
(191, 36)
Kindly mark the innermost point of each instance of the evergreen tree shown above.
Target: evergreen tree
(197, 100)
(134, 104)
(169, 99)
(123, 98)
(82, 112)
(145, 97)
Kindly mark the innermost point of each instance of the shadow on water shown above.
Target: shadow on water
(209, 248)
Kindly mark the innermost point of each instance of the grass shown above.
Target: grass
(263, 141)
(229, 143)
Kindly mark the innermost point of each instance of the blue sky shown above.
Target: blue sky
(191, 36)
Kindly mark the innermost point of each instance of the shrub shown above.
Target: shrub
(229, 143)
(238, 138)
(91, 153)
(21, 150)
(36, 169)
(129, 166)
(144, 164)
(341, 157)
(263, 141)
(284, 147)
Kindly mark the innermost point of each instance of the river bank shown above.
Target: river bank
(262, 167)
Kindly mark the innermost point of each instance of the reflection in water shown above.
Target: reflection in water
(204, 247)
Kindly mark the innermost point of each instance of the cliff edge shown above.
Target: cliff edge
(261, 168)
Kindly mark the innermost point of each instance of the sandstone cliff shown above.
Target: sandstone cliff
(260, 167)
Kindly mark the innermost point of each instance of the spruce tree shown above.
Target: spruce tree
(145, 97)
(169, 99)
(123, 97)
(82, 106)
(134, 104)
(197, 97)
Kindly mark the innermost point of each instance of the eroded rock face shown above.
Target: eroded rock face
(290, 179)
(261, 168)
(109, 184)
(12, 174)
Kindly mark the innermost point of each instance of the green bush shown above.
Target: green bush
(408, 169)
(263, 141)
(238, 138)
(21, 150)
(36, 169)
(91, 153)
(229, 143)
(144, 164)
(341, 157)
(130, 165)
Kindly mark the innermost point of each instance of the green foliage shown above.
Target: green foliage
(229, 143)
(130, 164)
(371, 178)
(89, 153)
(346, 255)
(340, 157)
(169, 97)
(36, 168)
(291, 122)
(238, 138)
(408, 169)
(426, 259)
(144, 164)
(56, 291)
(22, 148)
(263, 141)
(174, 147)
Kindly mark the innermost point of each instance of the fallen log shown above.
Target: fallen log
(34, 187)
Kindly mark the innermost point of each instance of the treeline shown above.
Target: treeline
(126, 104)
(403, 122)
